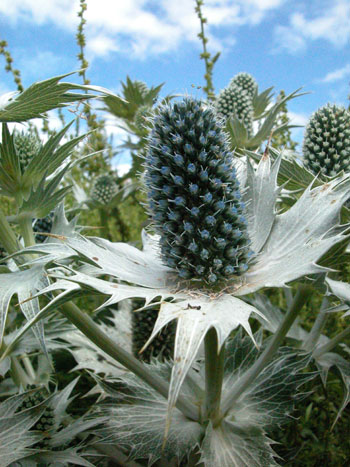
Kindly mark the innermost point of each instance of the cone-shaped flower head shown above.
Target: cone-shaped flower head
(47, 421)
(194, 196)
(27, 145)
(142, 326)
(235, 101)
(43, 225)
(246, 82)
(104, 189)
(326, 145)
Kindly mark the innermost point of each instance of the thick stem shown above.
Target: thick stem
(104, 223)
(331, 344)
(89, 328)
(25, 225)
(7, 236)
(250, 375)
(214, 374)
(317, 327)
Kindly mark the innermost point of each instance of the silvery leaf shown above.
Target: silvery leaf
(123, 261)
(15, 437)
(195, 316)
(341, 290)
(24, 284)
(299, 237)
(135, 419)
(260, 198)
(230, 445)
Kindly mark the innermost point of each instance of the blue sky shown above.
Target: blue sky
(281, 43)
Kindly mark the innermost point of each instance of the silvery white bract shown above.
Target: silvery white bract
(287, 247)
(52, 427)
(136, 414)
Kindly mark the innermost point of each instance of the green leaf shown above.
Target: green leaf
(43, 96)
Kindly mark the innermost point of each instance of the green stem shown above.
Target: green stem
(331, 344)
(250, 375)
(214, 374)
(25, 225)
(89, 328)
(7, 236)
(104, 223)
(317, 327)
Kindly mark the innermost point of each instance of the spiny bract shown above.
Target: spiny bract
(142, 326)
(27, 145)
(104, 189)
(246, 82)
(42, 225)
(194, 196)
(326, 145)
(235, 101)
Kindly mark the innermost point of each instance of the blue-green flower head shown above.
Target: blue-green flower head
(194, 195)
(104, 189)
(326, 145)
(235, 101)
(246, 82)
(27, 145)
(41, 226)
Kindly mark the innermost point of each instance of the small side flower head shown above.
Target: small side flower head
(326, 145)
(235, 101)
(43, 225)
(104, 189)
(246, 82)
(3, 253)
(193, 193)
(27, 145)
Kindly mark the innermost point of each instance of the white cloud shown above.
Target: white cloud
(140, 27)
(330, 24)
(337, 75)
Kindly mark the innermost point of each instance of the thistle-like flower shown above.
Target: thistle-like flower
(27, 145)
(246, 82)
(235, 101)
(104, 189)
(194, 196)
(326, 145)
(189, 167)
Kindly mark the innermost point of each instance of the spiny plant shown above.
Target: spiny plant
(104, 189)
(27, 145)
(235, 101)
(43, 225)
(191, 183)
(246, 82)
(326, 145)
(162, 347)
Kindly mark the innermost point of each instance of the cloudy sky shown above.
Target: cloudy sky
(281, 43)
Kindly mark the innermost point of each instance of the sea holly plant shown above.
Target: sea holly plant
(250, 116)
(217, 237)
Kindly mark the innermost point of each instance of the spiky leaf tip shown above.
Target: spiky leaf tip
(194, 196)
(104, 189)
(27, 145)
(246, 82)
(235, 101)
(326, 145)
(161, 347)
(141, 87)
